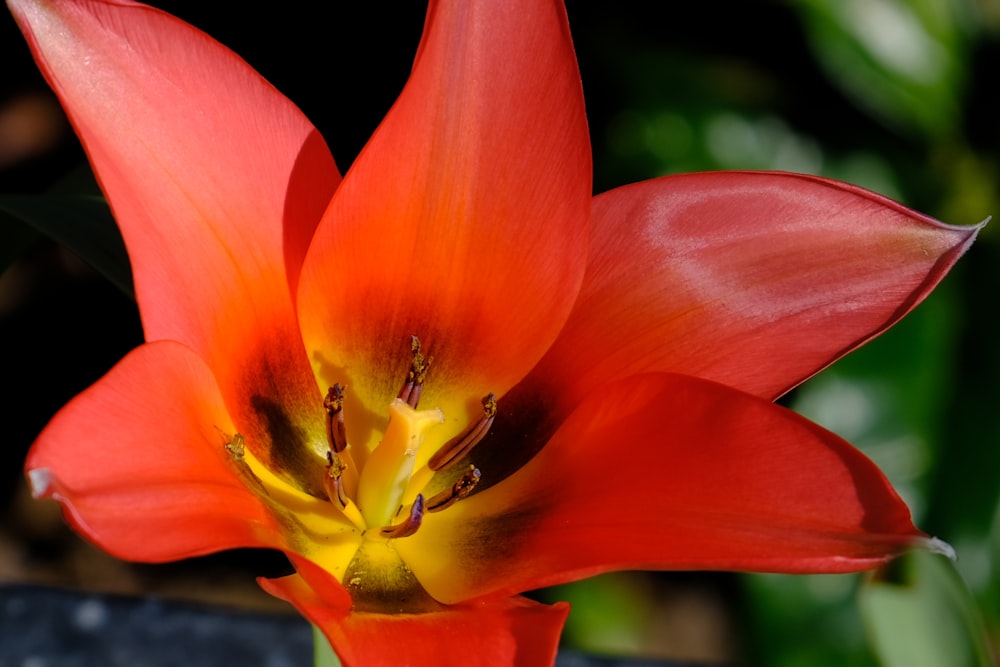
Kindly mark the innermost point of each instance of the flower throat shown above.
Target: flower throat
(373, 498)
(387, 491)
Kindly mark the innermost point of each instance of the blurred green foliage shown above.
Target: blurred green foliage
(920, 614)
(893, 95)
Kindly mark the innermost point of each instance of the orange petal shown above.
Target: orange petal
(216, 180)
(139, 462)
(513, 631)
(755, 280)
(464, 220)
(666, 472)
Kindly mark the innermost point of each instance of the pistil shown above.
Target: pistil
(390, 466)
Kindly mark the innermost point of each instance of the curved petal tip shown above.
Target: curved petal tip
(938, 546)
(40, 481)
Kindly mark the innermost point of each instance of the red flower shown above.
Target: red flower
(619, 354)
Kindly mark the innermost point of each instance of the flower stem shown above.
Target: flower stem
(323, 655)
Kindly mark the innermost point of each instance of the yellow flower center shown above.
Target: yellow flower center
(372, 498)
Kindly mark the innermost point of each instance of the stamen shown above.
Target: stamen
(457, 448)
(336, 434)
(411, 524)
(333, 480)
(459, 490)
(410, 393)
(336, 437)
(236, 446)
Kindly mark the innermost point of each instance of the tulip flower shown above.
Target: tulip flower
(453, 376)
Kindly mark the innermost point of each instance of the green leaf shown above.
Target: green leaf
(82, 223)
(919, 613)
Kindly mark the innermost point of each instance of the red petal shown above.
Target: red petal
(512, 631)
(138, 462)
(755, 280)
(666, 472)
(464, 220)
(312, 585)
(216, 180)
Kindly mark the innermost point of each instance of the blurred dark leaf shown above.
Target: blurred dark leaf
(82, 223)
(79, 181)
(15, 238)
